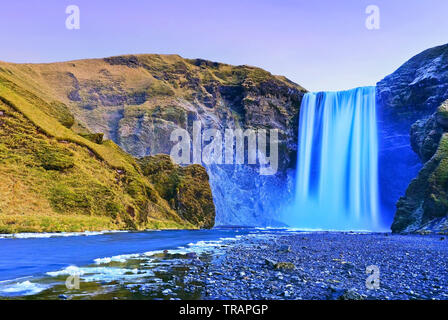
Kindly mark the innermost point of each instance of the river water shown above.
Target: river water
(106, 265)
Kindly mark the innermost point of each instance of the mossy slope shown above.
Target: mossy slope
(182, 187)
(53, 179)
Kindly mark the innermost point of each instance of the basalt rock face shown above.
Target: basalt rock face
(138, 100)
(425, 137)
(411, 141)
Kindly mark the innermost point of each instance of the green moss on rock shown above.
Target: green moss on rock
(186, 189)
(442, 115)
(94, 137)
(426, 198)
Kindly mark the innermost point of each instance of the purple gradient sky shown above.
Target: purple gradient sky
(320, 44)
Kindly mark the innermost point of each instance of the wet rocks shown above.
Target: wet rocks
(167, 292)
(270, 263)
(192, 255)
(285, 248)
(344, 294)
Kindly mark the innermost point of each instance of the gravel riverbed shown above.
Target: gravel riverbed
(328, 265)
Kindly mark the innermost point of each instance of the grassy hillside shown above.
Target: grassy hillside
(53, 179)
(77, 181)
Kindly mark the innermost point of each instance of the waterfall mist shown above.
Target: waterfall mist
(337, 162)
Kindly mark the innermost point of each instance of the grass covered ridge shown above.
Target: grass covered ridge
(53, 179)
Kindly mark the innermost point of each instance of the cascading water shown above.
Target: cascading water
(337, 162)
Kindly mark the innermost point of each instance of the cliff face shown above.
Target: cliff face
(425, 205)
(417, 88)
(53, 179)
(138, 100)
(410, 140)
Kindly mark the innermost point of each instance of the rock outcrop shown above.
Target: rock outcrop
(186, 189)
(417, 88)
(411, 93)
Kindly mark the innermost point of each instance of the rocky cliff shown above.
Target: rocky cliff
(138, 100)
(424, 208)
(413, 141)
(417, 88)
(57, 176)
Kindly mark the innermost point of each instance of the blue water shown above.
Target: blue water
(34, 256)
(125, 264)
(337, 162)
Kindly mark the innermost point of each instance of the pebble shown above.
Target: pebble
(167, 291)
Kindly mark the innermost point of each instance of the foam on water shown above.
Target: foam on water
(129, 269)
(23, 288)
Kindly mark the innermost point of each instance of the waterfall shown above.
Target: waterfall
(337, 162)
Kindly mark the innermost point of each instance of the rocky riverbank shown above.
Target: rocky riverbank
(251, 264)
(330, 266)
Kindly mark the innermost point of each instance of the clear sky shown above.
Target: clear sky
(320, 44)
